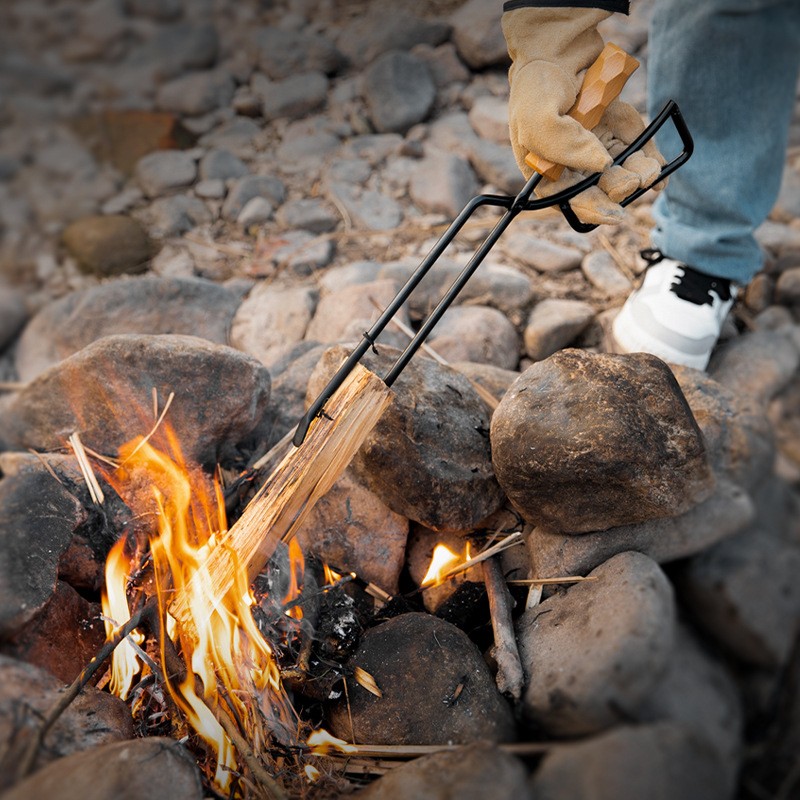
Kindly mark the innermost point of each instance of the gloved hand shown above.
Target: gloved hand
(550, 49)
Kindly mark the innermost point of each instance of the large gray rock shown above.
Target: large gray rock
(26, 693)
(728, 511)
(593, 655)
(428, 458)
(109, 245)
(456, 702)
(473, 772)
(37, 520)
(105, 393)
(633, 762)
(148, 304)
(478, 36)
(385, 28)
(140, 769)
(399, 92)
(280, 53)
(585, 442)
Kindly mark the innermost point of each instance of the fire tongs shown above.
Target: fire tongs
(514, 206)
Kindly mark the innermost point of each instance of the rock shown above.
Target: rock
(352, 530)
(105, 392)
(133, 770)
(787, 289)
(233, 134)
(374, 148)
(281, 54)
(633, 762)
(476, 333)
(256, 211)
(442, 183)
(728, 511)
(37, 520)
(457, 702)
(175, 48)
(172, 216)
(473, 772)
(541, 254)
(13, 315)
(211, 189)
(248, 187)
(744, 594)
(384, 28)
(554, 324)
(399, 92)
(298, 154)
(107, 246)
(496, 166)
(222, 165)
(428, 457)
(337, 278)
(94, 718)
(123, 202)
(699, 693)
(594, 654)
(63, 637)
(758, 364)
(270, 318)
(495, 380)
(344, 315)
(444, 64)
(165, 171)
(161, 10)
(585, 442)
(197, 92)
(602, 272)
(489, 118)
(787, 206)
(737, 432)
(478, 36)
(191, 306)
(759, 293)
(315, 216)
(295, 97)
(367, 208)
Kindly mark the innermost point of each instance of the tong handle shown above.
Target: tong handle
(602, 83)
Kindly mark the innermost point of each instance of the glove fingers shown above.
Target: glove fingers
(619, 182)
(593, 206)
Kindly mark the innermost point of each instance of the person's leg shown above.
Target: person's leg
(732, 67)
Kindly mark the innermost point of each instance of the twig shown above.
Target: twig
(153, 429)
(12, 386)
(404, 751)
(617, 257)
(86, 470)
(32, 750)
(549, 581)
(510, 677)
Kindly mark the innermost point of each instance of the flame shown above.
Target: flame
(330, 575)
(296, 571)
(443, 561)
(229, 664)
(322, 742)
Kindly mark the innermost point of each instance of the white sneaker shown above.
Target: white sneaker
(676, 314)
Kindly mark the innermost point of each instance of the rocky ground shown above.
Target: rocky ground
(210, 198)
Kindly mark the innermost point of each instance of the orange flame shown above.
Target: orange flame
(297, 567)
(229, 664)
(322, 742)
(444, 560)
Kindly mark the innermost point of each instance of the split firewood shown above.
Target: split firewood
(510, 677)
(304, 475)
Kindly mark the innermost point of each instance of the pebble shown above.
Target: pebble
(787, 206)
(122, 202)
(295, 97)
(303, 153)
(248, 187)
(478, 36)
(210, 189)
(594, 654)
(399, 91)
(602, 272)
(445, 66)
(172, 216)
(584, 443)
(368, 208)
(313, 215)
(413, 711)
(787, 288)
(495, 165)
(256, 211)
(541, 254)
(476, 333)
(221, 165)
(489, 118)
(234, 134)
(554, 324)
(108, 245)
(442, 183)
(197, 93)
(270, 317)
(428, 457)
(161, 10)
(281, 53)
(13, 315)
(165, 171)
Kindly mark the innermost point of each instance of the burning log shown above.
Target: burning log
(302, 477)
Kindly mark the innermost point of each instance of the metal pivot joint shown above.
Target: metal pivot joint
(514, 206)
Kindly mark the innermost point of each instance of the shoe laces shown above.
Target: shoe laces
(691, 285)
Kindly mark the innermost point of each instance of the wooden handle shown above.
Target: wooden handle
(602, 83)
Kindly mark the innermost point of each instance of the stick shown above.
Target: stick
(510, 678)
(32, 750)
(416, 750)
(549, 581)
(284, 501)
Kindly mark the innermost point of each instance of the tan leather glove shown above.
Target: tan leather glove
(550, 49)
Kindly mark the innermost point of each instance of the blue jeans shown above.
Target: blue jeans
(732, 67)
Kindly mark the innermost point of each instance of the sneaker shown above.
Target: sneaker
(676, 314)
